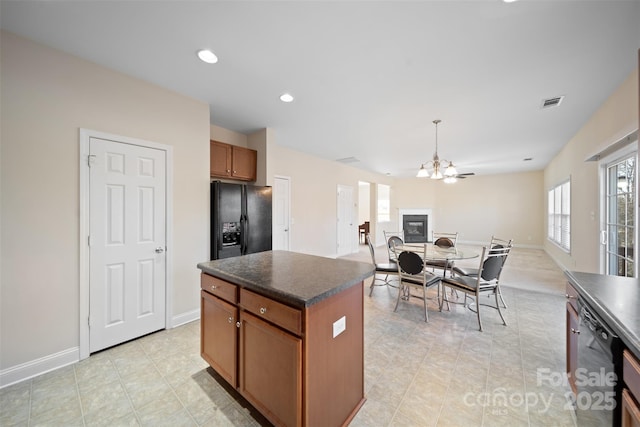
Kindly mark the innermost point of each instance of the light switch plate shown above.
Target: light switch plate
(339, 326)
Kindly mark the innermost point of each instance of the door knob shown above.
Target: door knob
(159, 249)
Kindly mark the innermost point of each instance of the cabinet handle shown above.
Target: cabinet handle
(569, 296)
(214, 287)
(228, 170)
(575, 331)
(230, 319)
(237, 324)
(263, 310)
(235, 171)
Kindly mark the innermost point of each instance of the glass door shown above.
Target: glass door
(621, 216)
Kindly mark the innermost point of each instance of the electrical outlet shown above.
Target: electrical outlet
(339, 326)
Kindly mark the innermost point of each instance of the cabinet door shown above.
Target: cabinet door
(572, 344)
(271, 370)
(219, 336)
(244, 163)
(219, 159)
(630, 410)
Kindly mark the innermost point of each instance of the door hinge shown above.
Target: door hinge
(89, 321)
(89, 241)
(91, 158)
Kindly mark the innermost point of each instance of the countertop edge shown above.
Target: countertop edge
(630, 339)
(283, 297)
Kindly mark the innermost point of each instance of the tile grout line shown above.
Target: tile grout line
(77, 387)
(167, 383)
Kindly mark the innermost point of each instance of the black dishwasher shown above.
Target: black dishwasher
(599, 371)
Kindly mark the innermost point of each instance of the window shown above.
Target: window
(384, 203)
(559, 208)
(621, 216)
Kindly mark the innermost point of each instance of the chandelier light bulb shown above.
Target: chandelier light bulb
(451, 170)
(207, 56)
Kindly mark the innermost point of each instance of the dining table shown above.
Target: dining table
(433, 252)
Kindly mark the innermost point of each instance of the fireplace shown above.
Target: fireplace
(415, 228)
(417, 224)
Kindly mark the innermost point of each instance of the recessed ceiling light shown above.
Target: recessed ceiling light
(286, 97)
(509, 1)
(207, 56)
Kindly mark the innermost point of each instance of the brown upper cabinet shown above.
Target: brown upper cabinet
(231, 161)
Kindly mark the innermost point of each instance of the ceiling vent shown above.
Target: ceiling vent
(348, 160)
(552, 102)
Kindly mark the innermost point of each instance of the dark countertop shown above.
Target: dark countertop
(292, 278)
(616, 300)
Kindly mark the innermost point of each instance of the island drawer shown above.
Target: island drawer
(225, 290)
(631, 372)
(572, 296)
(280, 314)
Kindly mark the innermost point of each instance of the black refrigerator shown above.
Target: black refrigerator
(240, 219)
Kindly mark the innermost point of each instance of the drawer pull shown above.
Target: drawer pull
(263, 310)
(569, 296)
(575, 331)
(214, 287)
(230, 319)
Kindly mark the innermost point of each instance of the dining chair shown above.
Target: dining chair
(442, 240)
(487, 281)
(386, 269)
(393, 238)
(496, 243)
(412, 274)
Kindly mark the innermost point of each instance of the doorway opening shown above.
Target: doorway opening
(364, 212)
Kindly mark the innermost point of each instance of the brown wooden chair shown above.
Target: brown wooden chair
(363, 231)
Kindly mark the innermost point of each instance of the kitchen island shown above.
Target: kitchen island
(286, 330)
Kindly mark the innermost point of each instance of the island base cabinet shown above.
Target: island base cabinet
(334, 359)
(271, 370)
(218, 336)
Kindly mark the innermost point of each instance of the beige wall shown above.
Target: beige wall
(617, 117)
(314, 185)
(227, 136)
(508, 206)
(46, 96)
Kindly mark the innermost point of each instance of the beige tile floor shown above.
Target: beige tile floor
(443, 373)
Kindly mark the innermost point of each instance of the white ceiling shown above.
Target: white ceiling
(369, 77)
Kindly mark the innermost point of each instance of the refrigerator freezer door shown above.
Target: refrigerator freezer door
(257, 236)
(226, 217)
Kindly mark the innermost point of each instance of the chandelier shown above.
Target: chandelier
(450, 172)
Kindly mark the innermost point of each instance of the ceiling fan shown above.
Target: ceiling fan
(450, 175)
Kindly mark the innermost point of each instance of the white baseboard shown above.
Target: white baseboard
(39, 366)
(49, 363)
(185, 318)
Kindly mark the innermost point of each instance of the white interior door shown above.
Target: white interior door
(281, 213)
(127, 261)
(346, 229)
